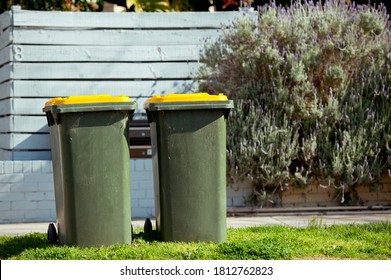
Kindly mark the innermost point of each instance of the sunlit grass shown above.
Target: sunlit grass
(369, 241)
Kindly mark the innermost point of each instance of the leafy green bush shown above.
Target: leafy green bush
(311, 84)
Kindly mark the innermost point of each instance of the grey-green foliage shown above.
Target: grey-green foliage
(311, 84)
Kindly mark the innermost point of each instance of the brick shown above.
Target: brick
(139, 165)
(292, 199)
(146, 185)
(134, 185)
(49, 196)
(233, 192)
(49, 205)
(35, 196)
(24, 205)
(148, 166)
(134, 202)
(5, 188)
(146, 202)
(11, 178)
(37, 166)
(53, 215)
(386, 188)
(8, 167)
(1, 167)
(27, 166)
(318, 198)
(143, 212)
(5, 205)
(38, 177)
(138, 194)
(24, 187)
(46, 186)
(18, 167)
(150, 193)
(47, 166)
(38, 216)
(238, 201)
(132, 165)
(141, 176)
(385, 179)
(12, 216)
(17, 196)
(367, 197)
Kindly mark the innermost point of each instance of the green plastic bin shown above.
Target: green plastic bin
(91, 167)
(188, 134)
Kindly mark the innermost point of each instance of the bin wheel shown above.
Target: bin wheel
(147, 226)
(52, 234)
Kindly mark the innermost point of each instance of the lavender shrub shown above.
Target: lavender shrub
(311, 84)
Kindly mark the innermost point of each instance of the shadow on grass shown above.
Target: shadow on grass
(13, 246)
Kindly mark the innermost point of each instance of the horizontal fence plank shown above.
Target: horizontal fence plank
(17, 141)
(123, 20)
(24, 124)
(22, 106)
(40, 53)
(38, 124)
(113, 37)
(99, 71)
(25, 155)
(33, 106)
(51, 88)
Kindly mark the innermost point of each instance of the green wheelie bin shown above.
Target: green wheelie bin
(89, 138)
(188, 135)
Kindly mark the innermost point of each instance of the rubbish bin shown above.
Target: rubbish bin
(188, 135)
(89, 138)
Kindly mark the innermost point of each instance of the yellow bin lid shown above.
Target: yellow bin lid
(188, 101)
(88, 99)
(187, 97)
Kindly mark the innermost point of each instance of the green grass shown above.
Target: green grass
(369, 241)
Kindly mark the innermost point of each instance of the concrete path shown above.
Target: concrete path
(302, 220)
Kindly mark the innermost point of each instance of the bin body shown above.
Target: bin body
(91, 168)
(189, 159)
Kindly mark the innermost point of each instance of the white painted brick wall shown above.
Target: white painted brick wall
(27, 191)
(141, 186)
(238, 193)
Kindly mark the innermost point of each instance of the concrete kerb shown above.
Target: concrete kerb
(236, 222)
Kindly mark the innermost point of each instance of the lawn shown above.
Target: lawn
(369, 241)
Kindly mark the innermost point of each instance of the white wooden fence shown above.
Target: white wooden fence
(51, 54)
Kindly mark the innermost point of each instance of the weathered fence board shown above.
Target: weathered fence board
(98, 71)
(113, 37)
(132, 88)
(33, 106)
(24, 124)
(122, 20)
(28, 53)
